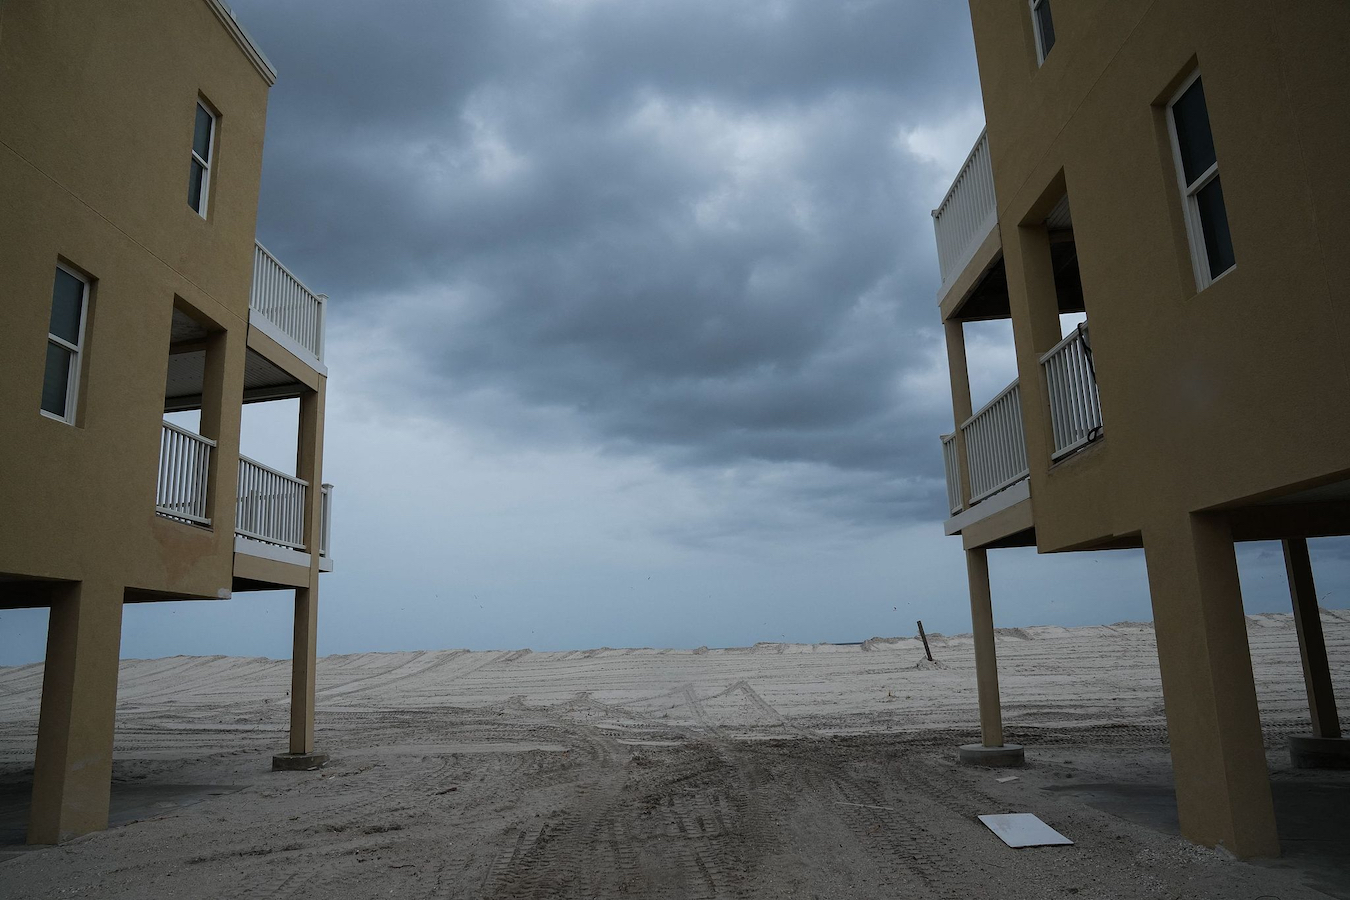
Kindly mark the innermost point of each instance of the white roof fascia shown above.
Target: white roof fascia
(255, 55)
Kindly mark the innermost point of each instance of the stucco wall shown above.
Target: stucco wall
(1208, 398)
(97, 102)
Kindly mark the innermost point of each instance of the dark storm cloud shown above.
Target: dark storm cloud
(695, 228)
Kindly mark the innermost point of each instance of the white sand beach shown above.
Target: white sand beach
(778, 770)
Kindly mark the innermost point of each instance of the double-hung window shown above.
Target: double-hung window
(1198, 174)
(1044, 26)
(65, 345)
(203, 143)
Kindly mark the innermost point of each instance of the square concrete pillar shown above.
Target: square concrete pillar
(1312, 644)
(72, 773)
(303, 660)
(1218, 755)
(304, 655)
(991, 751)
(959, 374)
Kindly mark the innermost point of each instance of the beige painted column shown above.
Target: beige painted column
(72, 774)
(1218, 755)
(986, 659)
(303, 658)
(222, 403)
(1312, 646)
(304, 651)
(1035, 317)
(959, 375)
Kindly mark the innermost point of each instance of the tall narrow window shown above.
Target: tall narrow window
(1044, 26)
(199, 177)
(65, 342)
(1198, 174)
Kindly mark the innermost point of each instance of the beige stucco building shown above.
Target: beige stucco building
(131, 141)
(1177, 172)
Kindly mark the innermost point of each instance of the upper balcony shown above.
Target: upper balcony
(967, 215)
(285, 310)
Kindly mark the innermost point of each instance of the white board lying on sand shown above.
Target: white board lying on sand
(1023, 830)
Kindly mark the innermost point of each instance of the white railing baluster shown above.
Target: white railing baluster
(967, 213)
(184, 472)
(996, 449)
(284, 301)
(951, 467)
(271, 506)
(326, 519)
(1071, 385)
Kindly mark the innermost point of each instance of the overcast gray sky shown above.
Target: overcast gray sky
(633, 333)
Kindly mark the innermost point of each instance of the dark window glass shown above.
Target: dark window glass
(56, 380)
(201, 137)
(1193, 135)
(67, 298)
(195, 178)
(1214, 224)
(1046, 25)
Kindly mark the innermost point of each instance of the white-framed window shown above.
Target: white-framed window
(65, 345)
(1198, 176)
(1044, 26)
(203, 145)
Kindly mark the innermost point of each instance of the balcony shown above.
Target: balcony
(184, 461)
(967, 214)
(996, 445)
(1071, 385)
(995, 439)
(269, 504)
(286, 310)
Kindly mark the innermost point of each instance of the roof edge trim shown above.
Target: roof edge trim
(241, 37)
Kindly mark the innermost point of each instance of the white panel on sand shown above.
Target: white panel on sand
(1023, 830)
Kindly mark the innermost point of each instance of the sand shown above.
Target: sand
(778, 770)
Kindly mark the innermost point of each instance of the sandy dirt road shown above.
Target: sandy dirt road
(774, 771)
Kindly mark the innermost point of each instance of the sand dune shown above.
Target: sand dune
(778, 770)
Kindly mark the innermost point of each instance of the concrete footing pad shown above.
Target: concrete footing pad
(1308, 752)
(1007, 756)
(298, 762)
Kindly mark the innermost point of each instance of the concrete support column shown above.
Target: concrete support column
(212, 419)
(1312, 646)
(1325, 748)
(304, 646)
(1218, 756)
(72, 773)
(991, 751)
(986, 657)
(959, 373)
(309, 463)
(1034, 303)
(303, 658)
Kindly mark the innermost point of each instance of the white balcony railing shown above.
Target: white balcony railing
(284, 301)
(952, 465)
(325, 518)
(996, 446)
(968, 213)
(184, 463)
(1071, 385)
(271, 505)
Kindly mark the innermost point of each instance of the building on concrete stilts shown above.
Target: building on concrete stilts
(1157, 205)
(135, 292)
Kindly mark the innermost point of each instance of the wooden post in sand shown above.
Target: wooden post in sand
(923, 637)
